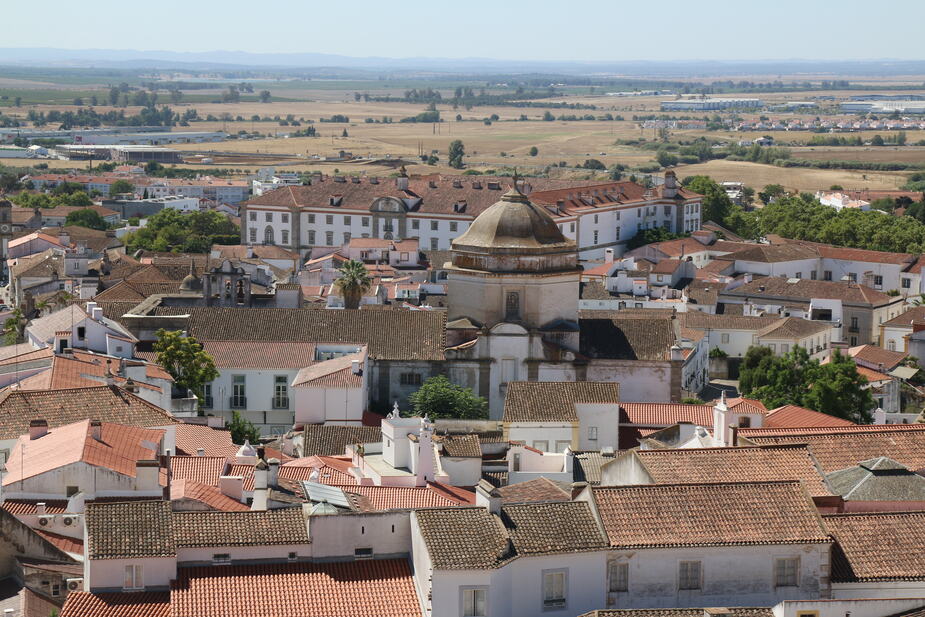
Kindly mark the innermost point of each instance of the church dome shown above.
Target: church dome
(514, 235)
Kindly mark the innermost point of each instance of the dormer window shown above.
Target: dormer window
(745, 422)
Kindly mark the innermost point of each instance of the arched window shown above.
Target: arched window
(268, 235)
(892, 345)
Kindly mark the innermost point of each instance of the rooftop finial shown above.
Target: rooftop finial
(517, 179)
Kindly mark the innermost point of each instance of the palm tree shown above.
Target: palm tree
(14, 328)
(354, 281)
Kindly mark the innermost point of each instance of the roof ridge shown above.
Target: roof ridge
(699, 484)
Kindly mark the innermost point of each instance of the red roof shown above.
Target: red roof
(793, 416)
(201, 469)
(260, 354)
(373, 588)
(205, 494)
(137, 604)
(64, 543)
(119, 448)
(215, 442)
(665, 414)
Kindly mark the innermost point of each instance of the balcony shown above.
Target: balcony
(280, 402)
(238, 402)
(853, 329)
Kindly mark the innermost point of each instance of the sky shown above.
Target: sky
(576, 30)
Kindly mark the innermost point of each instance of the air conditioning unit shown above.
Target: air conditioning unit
(71, 520)
(47, 520)
(74, 584)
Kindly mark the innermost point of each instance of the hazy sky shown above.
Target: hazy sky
(504, 29)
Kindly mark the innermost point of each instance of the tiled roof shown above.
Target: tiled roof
(845, 446)
(883, 546)
(136, 291)
(806, 289)
(124, 530)
(776, 253)
(738, 611)
(795, 416)
(333, 373)
(200, 469)
(665, 414)
(401, 497)
(205, 494)
(793, 328)
(547, 528)
(215, 442)
(118, 449)
(746, 405)
(74, 546)
(706, 321)
(332, 470)
(134, 604)
(667, 266)
(625, 337)
(282, 354)
(554, 401)
(540, 489)
(331, 440)
(59, 407)
(711, 465)
(879, 479)
(78, 370)
(391, 335)
(28, 506)
(464, 538)
(261, 251)
(914, 314)
(587, 466)
(371, 588)
(463, 446)
(257, 528)
(874, 356)
(675, 515)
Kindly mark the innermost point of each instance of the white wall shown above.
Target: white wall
(532, 433)
(109, 574)
(387, 533)
(319, 405)
(604, 418)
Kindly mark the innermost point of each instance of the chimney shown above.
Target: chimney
(261, 474)
(131, 386)
(577, 488)
(401, 182)
(273, 479)
(733, 435)
(486, 497)
(424, 466)
(64, 238)
(38, 428)
(96, 430)
(250, 251)
(232, 486)
(608, 256)
(147, 475)
(200, 451)
(355, 367)
(720, 411)
(40, 508)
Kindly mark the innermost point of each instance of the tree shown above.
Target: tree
(456, 153)
(242, 429)
(593, 164)
(715, 205)
(438, 398)
(665, 158)
(86, 218)
(771, 192)
(176, 95)
(648, 236)
(183, 357)
(548, 117)
(353, 282)
(534, 151)
(265, 96)
(876, 140)
(344, 133)
(121, 186)
(17, 101)
(14, 328)
(835, 388)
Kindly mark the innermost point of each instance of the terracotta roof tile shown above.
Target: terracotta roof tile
(373, 588)
(331, 440)
(738, 611)
(332, 470)
(554, 401)
(806, 289)
(552, 528)
(201, 469)
(540, 489)
(28, 506)
(914, 314)
(191, 437)
(402, 497)
(134, 604)
(67, 544)
(207, 495)
(665, 414)
(282, 354)
(882, 546)
(794, 416)
(874, 356)
(840, 447)
(623, 336)
(675, 515)
(59, 407)
(123, 530)
(464, 538)
(711, 465)
(463, 446)
(251, 528)
(333, 373)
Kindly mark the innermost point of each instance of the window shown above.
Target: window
(56, 590)
(618, 232)
(280, 392)
(666, 210)
(773, 348)
(346, 237)
(592, 433)
(434, 225)
(854, 323)
(285, 236)
(329, 219)
(221, 558)
(595, 236)
(618, 574)
(403, 256)
(253, 216)
(724, 338)
(561, 446)
(571, 227)
(415, 224)
(434, 243)
(853, 277)
(854, 341)
(891, 345)
(285, 217)
(542, 445)
(81, 333)
(827, 275)
(595, 219)
(311, 236)
(292, 557)
(364, 221)
(238, 391)
(786, 572)
(689, 575)
(798, 275)
(346, 220)
(329, 238)
(268, 217)
(134, 578)
(554, 584)
(878, 280)
(512, 305)
(207, 396)
(474, 602)
(745, 422)
(363, 553)
(454, 226)
(906, 283)
(410, 379)
(252, 234)
(311, 219)
(72, 490)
